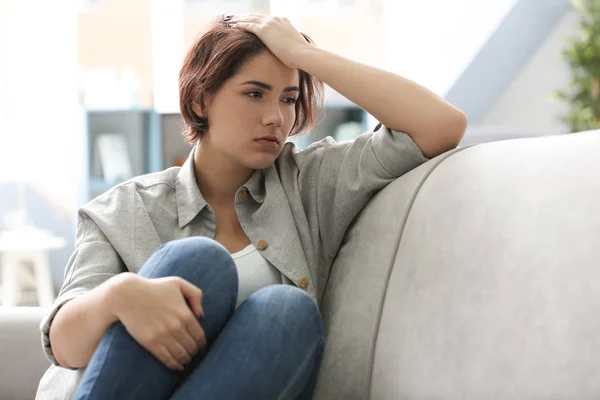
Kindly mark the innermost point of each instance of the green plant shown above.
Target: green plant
(583, 57)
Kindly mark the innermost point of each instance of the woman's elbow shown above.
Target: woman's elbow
(445, 137)
(454, 131)
(457, 127)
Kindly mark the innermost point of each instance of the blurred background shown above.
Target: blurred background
(88, 92)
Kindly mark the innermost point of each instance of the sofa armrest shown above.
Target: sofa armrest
(21, 352)
(354, 295)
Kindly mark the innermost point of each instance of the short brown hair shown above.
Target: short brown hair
(217, 55)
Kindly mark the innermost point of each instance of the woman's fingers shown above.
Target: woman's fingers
(250, 17)
(187, 341)
(178, 351)
(160, 319)
(278, 35)
(197, 333)
(250, 27)
(164, 355)
(193, 295)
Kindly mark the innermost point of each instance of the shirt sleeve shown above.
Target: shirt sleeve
(349, 173)
(93, 262)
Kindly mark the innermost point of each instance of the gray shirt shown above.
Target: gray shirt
(296, 211)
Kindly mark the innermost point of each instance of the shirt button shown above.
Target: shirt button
(242, 196)
(303, 283)
(261, 245)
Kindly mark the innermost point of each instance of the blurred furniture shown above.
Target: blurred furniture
(474, 276)
(20, 246)
(24, 362)
(154, 140)
(141, 129)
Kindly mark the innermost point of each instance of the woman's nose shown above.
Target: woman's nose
(273, 116)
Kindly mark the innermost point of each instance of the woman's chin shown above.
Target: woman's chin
(260, 162)
(261, 165)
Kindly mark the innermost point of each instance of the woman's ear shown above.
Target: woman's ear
(198, 109)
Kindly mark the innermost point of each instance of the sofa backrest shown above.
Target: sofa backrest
(476, 275)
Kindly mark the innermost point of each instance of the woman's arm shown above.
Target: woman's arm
(434, 124)
(80, 323)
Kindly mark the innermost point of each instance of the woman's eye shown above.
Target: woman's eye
(255, 94)
(291, 100)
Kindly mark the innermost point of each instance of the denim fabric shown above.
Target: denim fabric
(269, 348)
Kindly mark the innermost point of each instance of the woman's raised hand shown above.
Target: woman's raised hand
(278, 34)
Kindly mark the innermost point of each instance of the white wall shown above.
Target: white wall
(432, 42)
(527, 104)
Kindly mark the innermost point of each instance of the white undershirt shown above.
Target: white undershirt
(254, 272)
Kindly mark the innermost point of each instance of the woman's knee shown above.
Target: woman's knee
(290, 306)
(191, 258)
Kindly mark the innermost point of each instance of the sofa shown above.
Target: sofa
(474, 276)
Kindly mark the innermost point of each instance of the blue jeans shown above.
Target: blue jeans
(269, 348)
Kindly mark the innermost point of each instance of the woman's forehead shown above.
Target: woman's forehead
(267, 68)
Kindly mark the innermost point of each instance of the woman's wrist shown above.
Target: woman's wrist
(115, 292)
(304, 56)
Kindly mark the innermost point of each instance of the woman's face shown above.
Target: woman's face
(257, 102)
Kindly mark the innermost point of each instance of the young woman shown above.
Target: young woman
(204, 281)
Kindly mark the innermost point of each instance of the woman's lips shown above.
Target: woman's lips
(267, 143)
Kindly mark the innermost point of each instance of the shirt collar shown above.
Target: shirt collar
(189, 199)
(256, 185)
